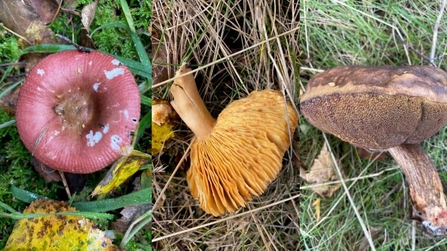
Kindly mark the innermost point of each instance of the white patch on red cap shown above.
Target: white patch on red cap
(40, 72)
(114, 73)
(93, 138)
(116, 62)
(96, 86)
(106, 129)
(114, 140)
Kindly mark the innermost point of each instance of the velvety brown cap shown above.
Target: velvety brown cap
(243, 153)
(76, 110)
(377, 106)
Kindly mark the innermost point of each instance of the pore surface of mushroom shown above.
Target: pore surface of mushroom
(240, 153)
(76, 110)
(387, 107)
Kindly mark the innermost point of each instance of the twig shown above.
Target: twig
(435, 33)
(22, 63)
(64, 181)
(428, 59)
(16, 34)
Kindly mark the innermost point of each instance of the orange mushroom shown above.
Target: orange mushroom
(239, 154)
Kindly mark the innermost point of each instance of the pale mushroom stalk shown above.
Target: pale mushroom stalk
(425, 187)
(190, 106)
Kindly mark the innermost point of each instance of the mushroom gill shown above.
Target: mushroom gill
(239, 154)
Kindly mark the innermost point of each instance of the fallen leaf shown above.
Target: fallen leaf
(321, 172)
(8, 102)
(85, 40)
(46, 172)
(22, 19)
(129, 215)
(161, 112)
(56, 232)
(88, 14)
(162, 126)
(121, 170)
(364, 245)
(46, 9)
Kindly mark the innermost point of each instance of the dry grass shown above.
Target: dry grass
(235, 47)
(378, 215)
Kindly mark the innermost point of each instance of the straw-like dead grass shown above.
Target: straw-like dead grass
(235, 47)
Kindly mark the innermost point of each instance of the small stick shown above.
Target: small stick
(435, 32)
(78, 47)
(429, 60)
(64, 181)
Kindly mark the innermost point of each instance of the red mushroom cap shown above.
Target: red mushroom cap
(76, 110)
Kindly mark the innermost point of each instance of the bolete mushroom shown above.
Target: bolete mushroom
(392, 108)
(76, 110)
(240, 153)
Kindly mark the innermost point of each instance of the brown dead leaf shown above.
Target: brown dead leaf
(46, 9)
(322, 171)
(88, 14)
(364, 245)
(85, 40)
(23, 20)
(46, 172)
(8, 102)
(129, 214)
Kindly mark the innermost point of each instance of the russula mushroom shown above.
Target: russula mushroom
(392, 108)
(76, 110)
(240, 153)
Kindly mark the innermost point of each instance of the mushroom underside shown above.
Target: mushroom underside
(376, 121)
(243, 153)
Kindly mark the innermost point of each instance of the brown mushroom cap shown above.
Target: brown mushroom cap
(76, 110)
(377, 107)
(238, 155)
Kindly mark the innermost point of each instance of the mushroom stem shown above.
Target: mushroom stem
(426, 189)
(189, 105)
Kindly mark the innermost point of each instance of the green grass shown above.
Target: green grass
(335, 33)
(121, 29)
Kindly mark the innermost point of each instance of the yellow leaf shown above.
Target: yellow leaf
(160, 134)
(322, 171)
(56, 232)
(121, 170)
(162, 113)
